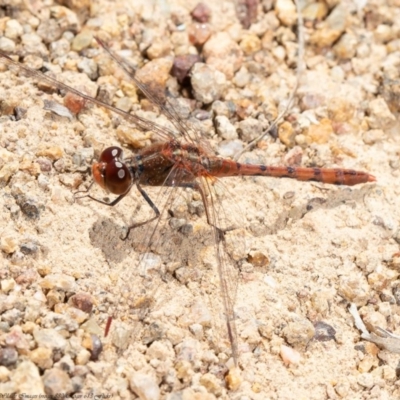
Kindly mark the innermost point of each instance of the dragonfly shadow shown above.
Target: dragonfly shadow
(183, 246)
(106, 236)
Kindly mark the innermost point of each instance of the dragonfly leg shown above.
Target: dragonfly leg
(198, 188)
(151, 204)
(112, 204)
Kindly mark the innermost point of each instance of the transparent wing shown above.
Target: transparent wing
(187, 131)
(186, 274)
(163, 133)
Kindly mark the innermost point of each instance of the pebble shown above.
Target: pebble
(61, 320)
(14, 29)
(380, 116)
(55, 296)
(182, 65)
(242, 78)
(59, 282)
(233, 379)
(121, 336)
(289, 355)
(199, 33)
(211, 383)
(374, 319)
(57, 381)
(285, 10)
(88, 67)
(365, 380)
(155, 74)
(354, 289)
(50, 339)
(346, 47)
(224, 128)
(201, 13)
(82, 41)
(91, 326)
(250, 44)
(184, 370)
(7, 45)
(82, 301)
(83, 357)
(32, 44)
(8, 356)
(29, 249)
(299, 333)
(226, 108)
(8, 170)
(367, 363)
(160, 350)
(319, 133)
(208, 83)
(28, 380)
(315, 11)
(58, 48)
(51, 152)
(49, 31)
(67, 19)
(331, 28)
(230, 148)
(389, 373)
(250, 129)
(287, 134)
(72, 313)
(16, 338)
(323, 331)
(258, 259)
(160, 47)
(4, 374)
(223, 53)
(93, 344)
(373, 136)
(7, 285)
(42, 357)
(145, 386)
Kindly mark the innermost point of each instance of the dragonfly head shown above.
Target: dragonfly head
(111, 173)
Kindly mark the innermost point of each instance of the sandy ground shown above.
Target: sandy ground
(305, 250)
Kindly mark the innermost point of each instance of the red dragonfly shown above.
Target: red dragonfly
(182, 158)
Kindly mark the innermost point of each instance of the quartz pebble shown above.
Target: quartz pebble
(145, 386)
(289, 355)
(224, 128)
(7, 45)
(208, 83)
(82, 41)
(50, 339)
(286, 12)
(13, 29)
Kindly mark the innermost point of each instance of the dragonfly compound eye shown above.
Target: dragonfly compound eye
(111, 173)
(117, 177)
(110, 153)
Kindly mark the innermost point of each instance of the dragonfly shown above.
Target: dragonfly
(182, 158)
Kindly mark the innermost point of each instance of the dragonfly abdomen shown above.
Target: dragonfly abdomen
(336, 176)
